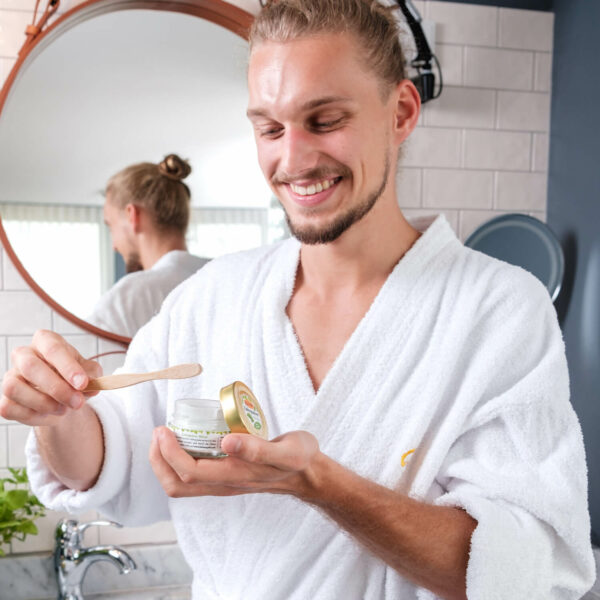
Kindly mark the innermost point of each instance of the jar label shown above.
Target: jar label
(197, 440)
(250, 410)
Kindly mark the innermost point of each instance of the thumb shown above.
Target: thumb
(93, 369)
(288, 452)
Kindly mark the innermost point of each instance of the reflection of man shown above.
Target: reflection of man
(435, 451)
(147, 210)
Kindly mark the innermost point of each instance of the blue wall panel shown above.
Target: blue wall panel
(529, 4)
(574, 212)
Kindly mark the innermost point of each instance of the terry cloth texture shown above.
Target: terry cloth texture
(459, 357)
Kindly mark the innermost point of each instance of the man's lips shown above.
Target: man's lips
(314, 192)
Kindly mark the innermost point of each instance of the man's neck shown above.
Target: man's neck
(365, 254)
(153, 248)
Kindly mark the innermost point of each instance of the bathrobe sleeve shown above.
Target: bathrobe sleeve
(518, 466)
(127, 489)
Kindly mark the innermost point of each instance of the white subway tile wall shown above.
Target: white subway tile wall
(523, 111)
(6, 64)
(12, 277)
(25, 5)
(163, 531)
(17, 435)
(481, 150)
(449, 188)
(525, 29)
(3, 446)
(462, 107)
(542, 80)
(499, 150)
(541, 151)
(518, 191)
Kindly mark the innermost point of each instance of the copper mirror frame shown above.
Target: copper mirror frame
(230, 17)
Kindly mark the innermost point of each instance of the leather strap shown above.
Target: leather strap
(33, 30)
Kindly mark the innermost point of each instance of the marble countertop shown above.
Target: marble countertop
(161, 574)
(171, 593)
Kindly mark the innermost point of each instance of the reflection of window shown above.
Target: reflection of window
(67, 249)
(216, 231)
(63, 248)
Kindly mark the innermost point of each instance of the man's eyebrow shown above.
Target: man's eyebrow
(326, 100)
(310, 105)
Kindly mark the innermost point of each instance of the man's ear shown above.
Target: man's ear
(133, 216)
(407, 107)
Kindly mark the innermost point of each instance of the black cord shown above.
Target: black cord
(422, 62)
(439, 70)
(424, 53)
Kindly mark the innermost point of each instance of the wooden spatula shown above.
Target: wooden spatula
(112, 382)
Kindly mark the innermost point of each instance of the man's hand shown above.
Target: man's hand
(45, 381)
(284, 465)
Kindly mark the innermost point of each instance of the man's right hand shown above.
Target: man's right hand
(45, 381)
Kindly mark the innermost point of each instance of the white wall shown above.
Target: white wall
(480, 150)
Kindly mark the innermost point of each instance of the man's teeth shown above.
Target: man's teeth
(312, 189)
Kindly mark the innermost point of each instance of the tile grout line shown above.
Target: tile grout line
(497, 27)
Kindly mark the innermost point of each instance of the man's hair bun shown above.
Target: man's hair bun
(174, 167)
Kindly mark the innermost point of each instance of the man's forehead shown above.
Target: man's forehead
(311, 70)
(317, 50)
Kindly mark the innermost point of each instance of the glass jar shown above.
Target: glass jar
(199, 426)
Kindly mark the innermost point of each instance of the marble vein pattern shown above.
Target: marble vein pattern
(31, 577)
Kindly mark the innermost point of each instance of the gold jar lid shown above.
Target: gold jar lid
(242, 411)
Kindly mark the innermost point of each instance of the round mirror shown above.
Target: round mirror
(115, 89)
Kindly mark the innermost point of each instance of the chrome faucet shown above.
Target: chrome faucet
(71, 560)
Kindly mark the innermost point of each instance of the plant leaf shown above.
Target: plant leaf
(16, 498)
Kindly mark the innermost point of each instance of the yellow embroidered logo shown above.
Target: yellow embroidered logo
(405, 456)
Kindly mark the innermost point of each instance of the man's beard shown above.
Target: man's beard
(312, 235)
(133, 263)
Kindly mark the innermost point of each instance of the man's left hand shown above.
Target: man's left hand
(284, 465)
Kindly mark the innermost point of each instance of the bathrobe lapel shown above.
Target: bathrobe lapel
(371, 351)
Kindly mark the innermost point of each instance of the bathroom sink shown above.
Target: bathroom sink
(163, 593)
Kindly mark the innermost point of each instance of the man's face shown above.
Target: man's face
(121, 233)
(322, 132)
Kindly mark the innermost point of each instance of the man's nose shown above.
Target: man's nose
(299, 152)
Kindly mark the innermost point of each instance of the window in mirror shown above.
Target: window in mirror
(213, 231)
(74, 231)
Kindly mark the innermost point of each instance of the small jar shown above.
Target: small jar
(199, 426)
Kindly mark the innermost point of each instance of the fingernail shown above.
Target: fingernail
(76, 401)
(78, 380)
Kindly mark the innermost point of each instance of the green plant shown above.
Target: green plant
(18, 508)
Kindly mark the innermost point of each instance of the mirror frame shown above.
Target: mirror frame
(221, 13)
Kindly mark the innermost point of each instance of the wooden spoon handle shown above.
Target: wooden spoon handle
(112, 382)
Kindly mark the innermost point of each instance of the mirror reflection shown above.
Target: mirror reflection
(117, 90)
(147, 210)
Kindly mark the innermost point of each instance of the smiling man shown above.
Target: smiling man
(418, 390)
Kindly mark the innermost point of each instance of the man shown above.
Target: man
(147, 210)
(418, 390)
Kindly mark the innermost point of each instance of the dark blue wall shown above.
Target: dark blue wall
(574, 212)
(530, 4)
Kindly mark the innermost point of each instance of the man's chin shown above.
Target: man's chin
(317, 234)
(326, 233)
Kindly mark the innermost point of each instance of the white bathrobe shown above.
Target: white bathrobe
(459, 358)
(138, 296)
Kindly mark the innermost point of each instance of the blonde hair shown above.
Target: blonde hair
(369, 21)
(158, 188)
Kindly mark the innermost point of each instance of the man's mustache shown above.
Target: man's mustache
(315, 174)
